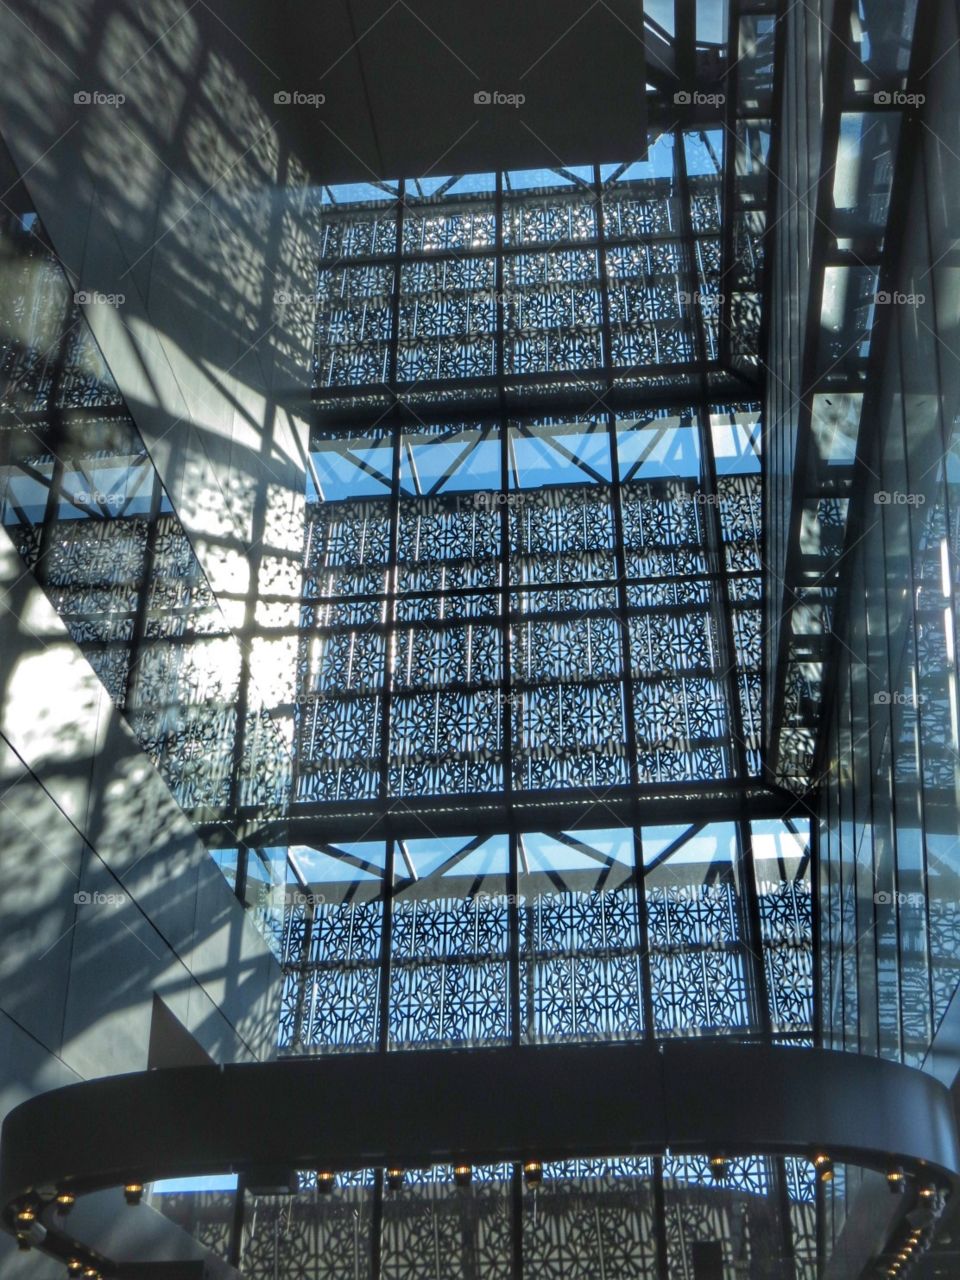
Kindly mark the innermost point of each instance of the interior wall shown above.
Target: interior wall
(107, 898)
(889, 829)
(184, 216)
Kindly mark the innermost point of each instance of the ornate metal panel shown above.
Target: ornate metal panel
(206, 1215)
(450, 944)
(589, 1219)
(429, 228)
(433, 1228)
(738, 1223)
(552, 216)
(582, 965)
(786, 920)
(696, 924)
(447, 319)
(309, 1236)
(332, 955)
(559, 535)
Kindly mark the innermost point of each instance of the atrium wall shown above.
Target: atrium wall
(889, 864)
(108, 897)
(887, 764)
(186, 229)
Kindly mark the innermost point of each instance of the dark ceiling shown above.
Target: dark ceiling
(400, 82)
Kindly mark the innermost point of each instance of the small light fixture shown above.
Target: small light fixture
(133, 1192)
(532, 1173)
(326, 1181)
(718, 1168)
(903, 1256)
(896, 1180)
(395, 1179)
(824, 1167)
(928, 1191)
(65, 1200)
(91, 1273)
(463, 1175)
(26, 1214)
(74, 1267)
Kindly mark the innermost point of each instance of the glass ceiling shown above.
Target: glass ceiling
(534, 514)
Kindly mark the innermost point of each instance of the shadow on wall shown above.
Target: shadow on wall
(106, 895)
(177, 205)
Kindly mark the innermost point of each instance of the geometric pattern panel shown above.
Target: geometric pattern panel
(786, 922)
(583, 957)
(331, 958)
(309, 1237)
(419, 675)
(591, 1223)
(490, 278)
(582, 967)
(697, 962)
(432, 1228)
(448, 975)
